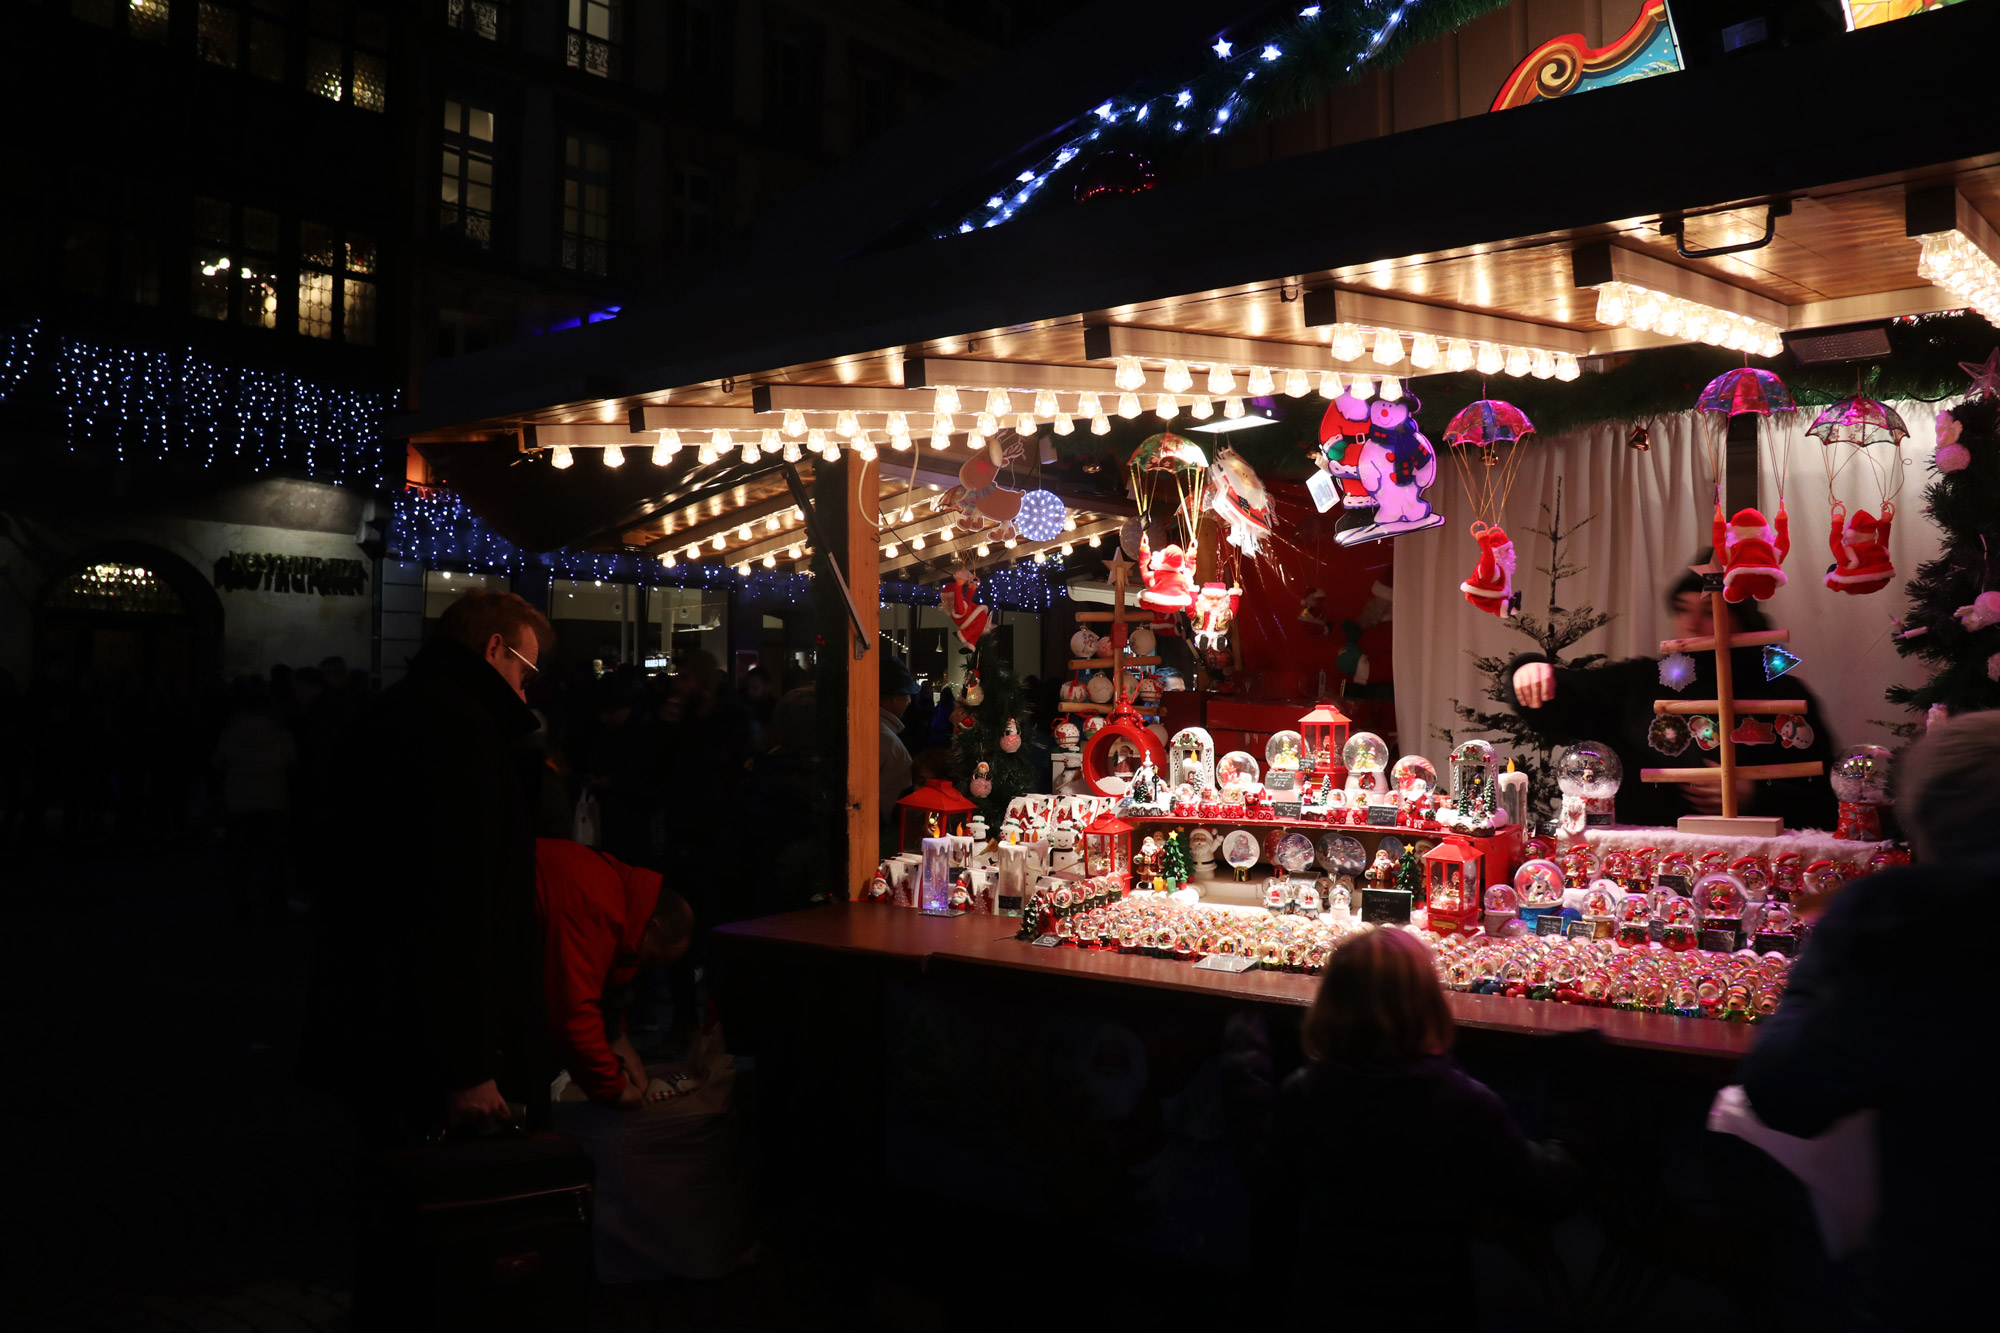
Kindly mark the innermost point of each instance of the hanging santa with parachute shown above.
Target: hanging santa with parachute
(1487, 442)
(1861, 429)
(1750, 548)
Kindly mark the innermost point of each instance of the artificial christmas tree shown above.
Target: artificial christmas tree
(1947, 624)
(1175, 864)
(1007, 773)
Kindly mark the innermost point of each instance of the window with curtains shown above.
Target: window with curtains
(235, 275)
(336, 284)
(586, 208)
(466, 176)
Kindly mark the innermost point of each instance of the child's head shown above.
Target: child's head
(1379, 1003)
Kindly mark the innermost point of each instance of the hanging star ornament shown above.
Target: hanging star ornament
(1985, 375)
(1777, 661)
(1677, 671)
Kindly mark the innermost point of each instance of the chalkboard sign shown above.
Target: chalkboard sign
(1712, 582)
(1282, 779)
(1009, 905)
(1719, 941)
(1656, 931)
(1581, 930)
(1287, 810)
(1384, 816)
(1680, 884)
(1550, 923)
(1385, 906)
(1777, 942)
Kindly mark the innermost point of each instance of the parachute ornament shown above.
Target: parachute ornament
(1476, 437)
(1750, 548)
(1860, 429)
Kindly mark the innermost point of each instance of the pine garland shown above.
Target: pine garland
(1966, 508)
(1013, 774)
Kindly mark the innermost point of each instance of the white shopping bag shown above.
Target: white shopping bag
(1838, 1167)
(589, 824)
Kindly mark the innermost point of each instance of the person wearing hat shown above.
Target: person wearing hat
(898, 687)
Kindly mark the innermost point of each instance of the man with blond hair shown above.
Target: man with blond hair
(432, 946)
(1886, 1012)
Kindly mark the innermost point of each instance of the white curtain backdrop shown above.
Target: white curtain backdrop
(1652, 513)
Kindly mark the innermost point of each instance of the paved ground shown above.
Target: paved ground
(165, 1171)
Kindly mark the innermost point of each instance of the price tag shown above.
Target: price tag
(1712, 582)
(1009, 905)
(1580, 930)
(1322, 490)
(1282, 779)
(1719, 941)
(1225, 962)
(1385, 906)
(1047, 941)
(1550, 923)
(1656, 931)
(1778, 942)
(1384, 816)
(1680, 884)
(1287, 810)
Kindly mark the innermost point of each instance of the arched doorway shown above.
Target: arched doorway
(130, 609)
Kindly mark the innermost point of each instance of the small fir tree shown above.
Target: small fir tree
(1965, 504)
(1174, 861)
(1013, 774)
(1557, 629)
(1410, 876)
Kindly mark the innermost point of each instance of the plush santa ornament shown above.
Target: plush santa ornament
(967, 614)
(1752, 550)
(1860, 547)
(1491, 587)
(1214, 611)
(1169, 581)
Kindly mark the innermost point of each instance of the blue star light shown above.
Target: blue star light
(1271, 53)
(1221, 48)
(1183, 97)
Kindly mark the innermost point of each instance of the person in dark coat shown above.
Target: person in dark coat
(1883, 1013)
(1379, 1237)
(429, 1012)
(1613, 703)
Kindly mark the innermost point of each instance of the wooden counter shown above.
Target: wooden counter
(899, 935)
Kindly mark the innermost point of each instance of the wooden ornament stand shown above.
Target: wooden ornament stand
(1119, 617)
(1726, 706)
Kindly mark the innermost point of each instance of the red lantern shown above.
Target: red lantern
(936, 799)
(1115, 753)
(1324, 733)
(1107, 850)
(1454, 884)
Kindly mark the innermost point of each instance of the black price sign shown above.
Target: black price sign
(1719, 941)
(1386, 906)
(1680, 884)
(1384, 816)
(1550, 923)
(1778, 942)
(1581, 930)
(1712, 582)
(1282, 779)
(1287, 810)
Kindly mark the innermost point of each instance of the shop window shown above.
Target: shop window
(131, 589)
(481, 18)
(586, 212)
(594, 34)
(693, 201)
(217, 34)
(337, 289)
(466, 176)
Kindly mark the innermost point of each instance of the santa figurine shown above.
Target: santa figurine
(1169, 582)
(1751, 550)
(1214, 609)
(1860, 547)
(967, 614)
(1491, 587)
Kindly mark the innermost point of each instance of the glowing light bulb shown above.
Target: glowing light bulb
(792, 452)
(987, 423)
(1567, 369)
(1069, 521)
(946, 403)
(898, 423)
(1045, 403)
(795, 552)
(751, 449)
(1541, 364)
(772, 524)
(1038, 557)
(1010, 543)
(917, 542)
(613, 456)
(1202, 408)
(694, 550)
(1086, 405)
(845, 425)
(1130, 374)
(1612, 306)
(1100, 424)
(1260, 384)
(719, 542)
(1392, 389)
(722, 440)
(1361, 387)
(1388, 347)
(1221, 380)
(1487, 360)
(983, 550)
(1166, 407)
(1095, 540)
(560, 457)
(1329, 384)
(1297, 385)
(667, 560)
(899, 442)
(1423, 351)
(1346, 344)
(866, 450)
(1232, 407)
(1063, 425)
(1024, 423)
(998, 403)
(1458, 355)
(1517, 361)
(743, 533)
(795, 422)
(744, 569)
(1175, 378)
(941, 433)
(1067, 548)
(1128, 405)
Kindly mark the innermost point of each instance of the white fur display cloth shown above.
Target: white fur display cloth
(1810, 844)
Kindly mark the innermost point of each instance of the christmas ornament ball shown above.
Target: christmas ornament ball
(1365, 752)
(1861, 774)
(1590, 769)
(1113, 173)
(1083, 643)
(1011, 742)
(981, 788)
(1143, 642)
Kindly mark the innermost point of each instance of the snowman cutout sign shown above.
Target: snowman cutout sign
(1396, 466)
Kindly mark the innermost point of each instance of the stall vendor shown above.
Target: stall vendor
(601, 921)
(1613, 703)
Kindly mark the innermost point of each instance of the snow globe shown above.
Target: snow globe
(1861, 784)
(1236, 771)
(1589, 774)
(1366, 757)
(1470, 809)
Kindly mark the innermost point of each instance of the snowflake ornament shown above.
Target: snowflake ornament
(1677, 671)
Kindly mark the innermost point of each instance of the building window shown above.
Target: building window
(356, 72)
(235, 264)
(357, 318)
(216, 34)
(324, 74)
(792, 88)
(317, 267)
(482, 18)
(593, 37)
(693, 202)
(466, 185)
(131, 589)
(336, 285)
(139, 269)
(147, 20)
(266, 55)
(586, 221)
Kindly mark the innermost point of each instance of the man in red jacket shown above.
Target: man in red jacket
(601, 921)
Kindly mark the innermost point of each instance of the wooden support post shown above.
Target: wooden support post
(861, 561)
(1725, 702)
